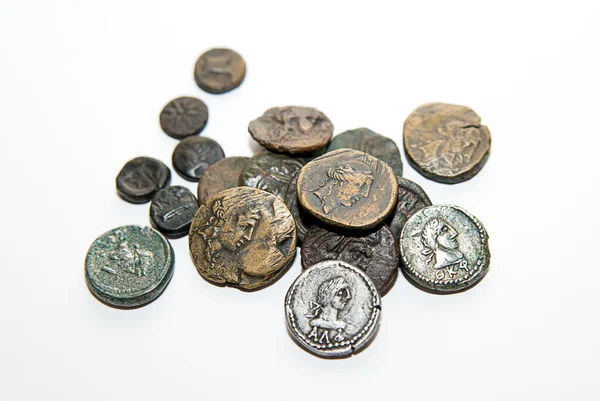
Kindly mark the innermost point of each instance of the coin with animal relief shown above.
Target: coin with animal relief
(193, 155)
(271, 172)
(183, 117)
(141, 178)
(172, 210)
(219, 70)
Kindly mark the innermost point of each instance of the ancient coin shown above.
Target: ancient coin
(219, 71)
(141, 178)
(242, 237)
(373, 252)
(222, 175)
(333, 309)
(271, 172)
(183, 117)
(411, 198)
(303, 220)
(348, 189)
(367, 141)
(292, 129)
(446, 143)
(444, 249)
(194, 154)
(129, 266)
(172, 210)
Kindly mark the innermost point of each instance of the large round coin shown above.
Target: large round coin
(303, 220)
(129, 266)
(222, 175)
(444, 249)
(172, 210)
(183, 117)
(446, 143)
(271, 172)
(194, 155)
(332, 309)
(141, 178)
(219, 71)
(242, 237)
(411, 199)
(348, 189)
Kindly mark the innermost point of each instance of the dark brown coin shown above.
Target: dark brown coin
(411, 199)
(219, 71)
(376, 252)
(292, 129)
(271, 172)
(303, 220)
(172, 210)
(183, 117)
(194, 154)
(222, 175)
(446, 143)
(242, 237)
(348, 189)
(141, 178)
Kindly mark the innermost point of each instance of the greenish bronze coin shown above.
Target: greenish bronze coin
(271, 172)
(224, 174)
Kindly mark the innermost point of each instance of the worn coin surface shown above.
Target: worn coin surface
(219, 71)
(444, 249)
(292, 129)
(445, 142)
(411, 198)
(271, 172)
(333, 309)
(303, 220)
(222, 175)
(184, 116)
(141, 178)
(129, 266)
(348, 189)
(370, 142)
(242, 237)
(172, 210)
(193, 155)
(373, 252)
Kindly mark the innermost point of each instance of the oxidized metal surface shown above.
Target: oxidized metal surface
(445, 142)
(303, 220)
(444, 249)
(370, 142)
(242, 237)
(172, 210)
(348, 189)
(219, 71)
(141, 178)
(375, 252)
(271, 172)
(292, 129)
(129, 266)
(194, 155)
(183, 117)
(411, 199)
(222, 175)
(332, 309)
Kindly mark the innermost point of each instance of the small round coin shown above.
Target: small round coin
(333, 309)
(445, 142)
(172, 210)
(303, 220)
(222, 175)
(141, 178)
(271, 172)
(444, 249)
(193, 155)
(129, 266)
(411, 199)
(348, 189)
(219, 70)
(242, 237)
(183, 117)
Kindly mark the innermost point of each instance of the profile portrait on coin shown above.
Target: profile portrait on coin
(344, 186)
(441, 246)
(332, 297)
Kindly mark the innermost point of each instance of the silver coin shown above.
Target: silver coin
(333, 309)
(444, 249)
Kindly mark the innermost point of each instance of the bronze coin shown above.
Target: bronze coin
(445, 142)
(271, 172)
(411, 199)
(183, 117)
(375, 253)
(292, 129)
(348, 189)
(242, 237)
(193, 155)
(222, 175)
(219, 71)
(303, 220)
(141, 178)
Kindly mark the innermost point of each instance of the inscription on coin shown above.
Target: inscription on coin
(411, 199)
(183, 117)
(194, 155)
(172, 210)
(222, 175)
(141, 178)
(271, 172)
(219, 71)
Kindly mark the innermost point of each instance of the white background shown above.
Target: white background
(81, 87)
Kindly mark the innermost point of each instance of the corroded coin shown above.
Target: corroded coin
(332, 309)
(444, 249)
(242, 237)
(367, 141)
(172, 210)
(292, 129)
(303, 220)
(271, 172)
(446, 143)
(348, 189)
(141, 178)
(129, 266)
(184, 116)
(224, 174)
(219, 71)
(411, 198)
(194, 154)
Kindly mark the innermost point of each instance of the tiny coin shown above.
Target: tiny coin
(370, 142)
(141, 178)
(222, 175)
(194, 154)
(348, 189)
(129, 266)
(303, 220)
(445, 142)
(242, 237)
(183, 117)
(292, 129)
(411, 198)
(271, 172)
(219, 70)
(444, 249)
(172, 210)
(332, 309)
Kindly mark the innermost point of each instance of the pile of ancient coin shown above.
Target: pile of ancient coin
(341, 199)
